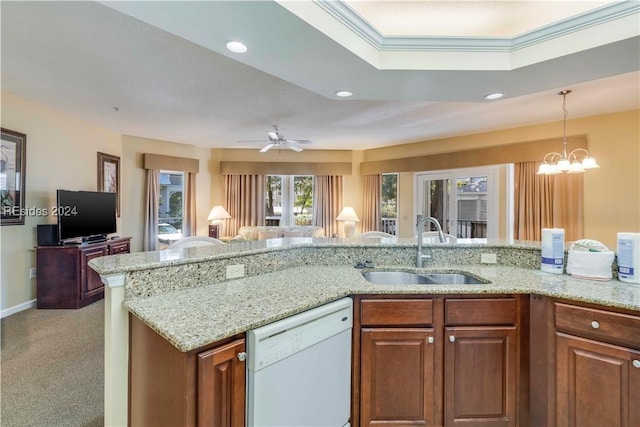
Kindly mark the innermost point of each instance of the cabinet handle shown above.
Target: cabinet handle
(242, 356)
(595, 325)
(636, 363)
(430, 340)
(452, 338)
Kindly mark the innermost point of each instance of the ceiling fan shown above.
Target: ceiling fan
(276, 140)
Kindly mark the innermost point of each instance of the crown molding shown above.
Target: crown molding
(356, 23)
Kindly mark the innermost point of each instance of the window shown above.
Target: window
(464, 201)
(289, 200)
(389, 202)
(170, 207)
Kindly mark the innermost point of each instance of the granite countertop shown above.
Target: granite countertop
(137, 261)
(192, 318)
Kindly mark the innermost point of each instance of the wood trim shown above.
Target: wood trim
(160, 162)
(285, 168)
(509, 153)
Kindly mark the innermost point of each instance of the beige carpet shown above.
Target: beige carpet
(52, 371)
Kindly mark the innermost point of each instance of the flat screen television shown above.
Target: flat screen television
(89, 215)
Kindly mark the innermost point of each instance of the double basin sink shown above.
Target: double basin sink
(409, 278)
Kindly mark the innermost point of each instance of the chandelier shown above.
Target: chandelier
(555, 163)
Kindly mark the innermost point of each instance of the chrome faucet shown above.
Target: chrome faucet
(421, 257)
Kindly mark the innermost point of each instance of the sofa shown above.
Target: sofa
(261, 232)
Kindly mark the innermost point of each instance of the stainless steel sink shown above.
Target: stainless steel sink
(408, 278)
(397, 278)
(453, 279)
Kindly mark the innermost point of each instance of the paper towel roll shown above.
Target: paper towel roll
(629, 257)
(552, 250)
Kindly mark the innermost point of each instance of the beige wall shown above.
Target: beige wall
(61, 153)
(133, 199)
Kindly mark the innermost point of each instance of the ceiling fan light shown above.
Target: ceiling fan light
(589, 163)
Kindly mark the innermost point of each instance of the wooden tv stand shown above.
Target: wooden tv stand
(64, 280)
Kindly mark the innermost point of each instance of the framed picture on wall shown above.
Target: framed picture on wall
(12, 175)
(109, 176)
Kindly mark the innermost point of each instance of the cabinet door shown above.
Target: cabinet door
(597, 384)
(397, 379)
(480, 376)
(221, 386)
(90, 282)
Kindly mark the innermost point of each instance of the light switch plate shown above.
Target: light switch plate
(488, 258)
(32, 273)
(235, 271)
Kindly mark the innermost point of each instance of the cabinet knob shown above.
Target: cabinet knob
(636, 363)
(242, 356)
(452, 338)
(595, 325)
(430, 340)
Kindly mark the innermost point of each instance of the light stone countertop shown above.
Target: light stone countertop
(137, 261)
(195, 317)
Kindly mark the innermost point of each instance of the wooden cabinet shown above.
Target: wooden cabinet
(438, 361)
(397, 368)
(480, 360)
(167, 387)
(480, 376)
(221, 385)
(64, 280)
(597, 366)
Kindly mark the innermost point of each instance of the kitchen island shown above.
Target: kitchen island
(184, 296)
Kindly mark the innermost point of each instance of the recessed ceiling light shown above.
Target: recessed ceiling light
(496, 95)
(344, 93)
(236, 47)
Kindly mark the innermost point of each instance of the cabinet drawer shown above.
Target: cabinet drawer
(491, 311)
(396, 312)
(119, 248)
(601, 325)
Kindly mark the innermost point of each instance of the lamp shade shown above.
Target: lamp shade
(348, 214)
(217, 213)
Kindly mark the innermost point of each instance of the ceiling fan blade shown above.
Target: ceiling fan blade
(298, 141)
(293, 147)
(267, 148)
(253, 141)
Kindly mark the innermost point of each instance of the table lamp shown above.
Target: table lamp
(217, 214)
(349, 217)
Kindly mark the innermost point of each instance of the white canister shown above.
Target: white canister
(629, 257)
(552, 250)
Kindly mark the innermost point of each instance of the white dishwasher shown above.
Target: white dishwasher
(299, 369)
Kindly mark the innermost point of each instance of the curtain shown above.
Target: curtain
(245, 201)
(547, 201)
(150, 233)
(190, 204)
(371, 200)
(327, 201)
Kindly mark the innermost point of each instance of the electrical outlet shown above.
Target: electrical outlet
(235, 271)
(488, 258)
(32, 273)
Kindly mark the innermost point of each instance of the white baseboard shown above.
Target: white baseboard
(18, 308)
